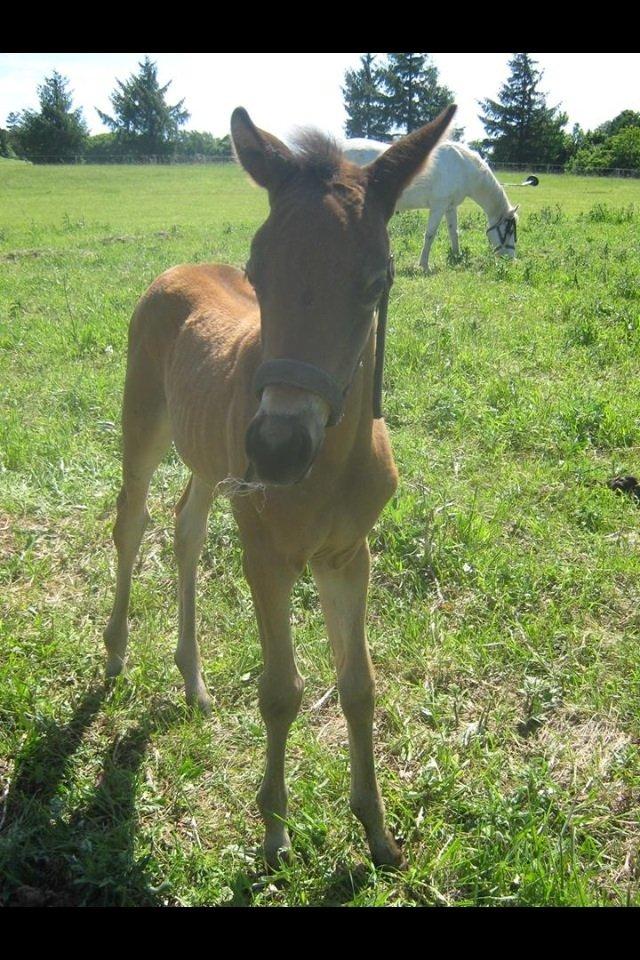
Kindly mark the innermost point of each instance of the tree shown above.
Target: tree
(413, 95)
(628, 118)
(479, 147)
(364, 101)
(395, 98)
(55, 134)
(6, 149)
(521, 127)
(612, 144)
(102, 148)
(144, 123)
(621, 151)
(624, 148)
(198, 145)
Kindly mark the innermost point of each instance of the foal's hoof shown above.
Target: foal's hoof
(388, 855)
(200, 701)
(197, 696)
(114, 667)
(277, 855)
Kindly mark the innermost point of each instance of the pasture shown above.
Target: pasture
(504, 604)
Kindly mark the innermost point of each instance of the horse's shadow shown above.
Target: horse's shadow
(87, 858)
(339, 890)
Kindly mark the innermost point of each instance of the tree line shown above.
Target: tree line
(383, 98)
(143, 126)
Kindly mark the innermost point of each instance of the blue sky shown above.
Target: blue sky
(282, 91)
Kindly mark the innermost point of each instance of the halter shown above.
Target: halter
(508, 229)
(307, 376)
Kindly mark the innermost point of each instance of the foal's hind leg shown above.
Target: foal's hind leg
(191, 531)
(146, 439)
(343, 595)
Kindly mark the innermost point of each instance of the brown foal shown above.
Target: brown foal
(268, 375)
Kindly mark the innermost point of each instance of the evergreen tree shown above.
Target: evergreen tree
(521, 127)
(479, 147)
(413, 95)
(144, 123)
(55, 134)
(364, 101)
(6, 148)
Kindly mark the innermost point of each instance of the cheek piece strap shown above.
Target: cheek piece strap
(381, 334)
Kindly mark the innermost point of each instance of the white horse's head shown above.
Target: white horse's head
(503, 234)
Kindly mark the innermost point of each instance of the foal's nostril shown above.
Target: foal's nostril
(280, 448)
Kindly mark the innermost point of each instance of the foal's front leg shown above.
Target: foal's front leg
(280, 687)
(343, 595)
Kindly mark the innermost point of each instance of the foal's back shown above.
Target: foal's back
(193, 335)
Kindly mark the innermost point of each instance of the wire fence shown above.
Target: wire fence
(124, 158)
(558, 168)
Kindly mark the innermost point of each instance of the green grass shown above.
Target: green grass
(505, 590)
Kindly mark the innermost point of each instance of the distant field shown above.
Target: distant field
(505, 601)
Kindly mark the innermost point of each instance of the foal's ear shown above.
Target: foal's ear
(394, 170)
(265, 158)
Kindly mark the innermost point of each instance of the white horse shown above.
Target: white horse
(453, 173)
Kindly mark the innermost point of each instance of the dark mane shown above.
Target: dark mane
(318, 154)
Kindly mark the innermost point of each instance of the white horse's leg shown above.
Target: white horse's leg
(190, 534)
(343, 596)
(435, 216)
(452, 226)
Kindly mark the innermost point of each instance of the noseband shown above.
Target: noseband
(307, 376)
(508, 228)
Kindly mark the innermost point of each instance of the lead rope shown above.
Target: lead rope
(381, 332)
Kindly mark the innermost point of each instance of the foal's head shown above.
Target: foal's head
(319, 267)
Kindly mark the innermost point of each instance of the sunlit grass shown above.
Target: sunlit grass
(504, 602)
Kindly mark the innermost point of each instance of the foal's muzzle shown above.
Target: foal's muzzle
(280, 447)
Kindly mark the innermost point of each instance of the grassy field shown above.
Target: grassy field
(504, 608)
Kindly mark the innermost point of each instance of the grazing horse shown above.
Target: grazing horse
(268, 375)
(454, 173)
